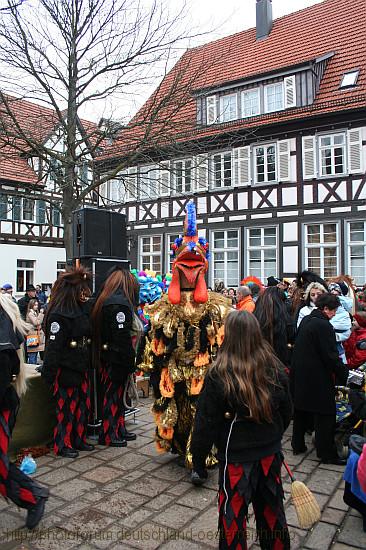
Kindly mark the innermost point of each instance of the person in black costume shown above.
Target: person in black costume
(14, 484)
(244, 409)
(66, 365)
(316, 368)
(113, 351)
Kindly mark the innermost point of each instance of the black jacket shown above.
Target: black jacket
(10, 341)
(249, 441)
(116, 326)
(62, 331)
(316, 366)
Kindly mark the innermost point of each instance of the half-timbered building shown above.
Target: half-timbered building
(31, 233)
(273, 152)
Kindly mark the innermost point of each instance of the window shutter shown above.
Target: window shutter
(354, 143)
(211, 109)
(17, 207)
(309, 157)
(3, 207)
(284, 167)
(290, 91)
(164, 179)
(201, 173)
(41, 212)
(241, 166)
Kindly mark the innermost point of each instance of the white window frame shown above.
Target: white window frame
(320, 148)
(254, 157)
(250, 91)
(28, 274)
(224, 111)
(151, 253)
(322, 245)
(222, 168)
(355, 73)
(225, 250)
(262, 247)
(33, 218)
(350, 243)
(266, 89)
(168, 250)
(152, 182)
(185, 167)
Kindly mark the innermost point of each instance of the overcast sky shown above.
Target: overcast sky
(213, 18)
(231, 16)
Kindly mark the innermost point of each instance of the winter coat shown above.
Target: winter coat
(355, 357)
(35, 319)
(341, 322)
(316, 366)
(249, 441)
(23, 304)
(67, 346)
(246, 304)
(116, 336)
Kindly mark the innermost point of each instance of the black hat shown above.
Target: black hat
(273, 281)
(30, 287)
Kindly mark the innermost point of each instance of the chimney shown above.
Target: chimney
(264, 18)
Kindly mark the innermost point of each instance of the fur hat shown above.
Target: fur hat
(336, 287)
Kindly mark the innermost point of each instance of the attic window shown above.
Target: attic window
(350, 79)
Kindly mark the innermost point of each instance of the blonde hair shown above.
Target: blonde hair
(310, 287)
(12, 310)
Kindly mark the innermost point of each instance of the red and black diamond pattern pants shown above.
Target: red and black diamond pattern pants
(14, 484)
(113, 410)
(258, 483)
(72, 414)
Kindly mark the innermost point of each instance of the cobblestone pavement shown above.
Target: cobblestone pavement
(133, 498)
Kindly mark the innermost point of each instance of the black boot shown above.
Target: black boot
(86, 447)
(118, 442)
(199, 478)
(68, 452)
(35, 514)
(129, 436)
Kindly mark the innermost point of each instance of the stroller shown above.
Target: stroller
(348, 422)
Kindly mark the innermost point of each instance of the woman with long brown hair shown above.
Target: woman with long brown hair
(244, 409)
(276, 324)
(66, 365)
(113, 320)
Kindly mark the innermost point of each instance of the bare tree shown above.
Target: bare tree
(65, 54)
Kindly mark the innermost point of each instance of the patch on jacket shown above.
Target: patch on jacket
(55, 327)
(120, 317)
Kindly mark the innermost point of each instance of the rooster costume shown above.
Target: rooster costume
(182, 341)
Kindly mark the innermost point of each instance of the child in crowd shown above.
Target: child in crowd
(244, 409)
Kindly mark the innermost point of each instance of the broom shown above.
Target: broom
(306, 506)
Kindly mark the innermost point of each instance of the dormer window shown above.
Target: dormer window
(250, 102)
(349, 79)
(228, 107)
(267, 97)
(273, 97)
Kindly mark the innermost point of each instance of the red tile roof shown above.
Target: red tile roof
(37, 122)
(14, 168)
(332, 26)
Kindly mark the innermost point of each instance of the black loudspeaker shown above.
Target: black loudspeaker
(98, 232)
(100, 268)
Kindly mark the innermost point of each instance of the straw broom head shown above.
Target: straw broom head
(307, 508)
